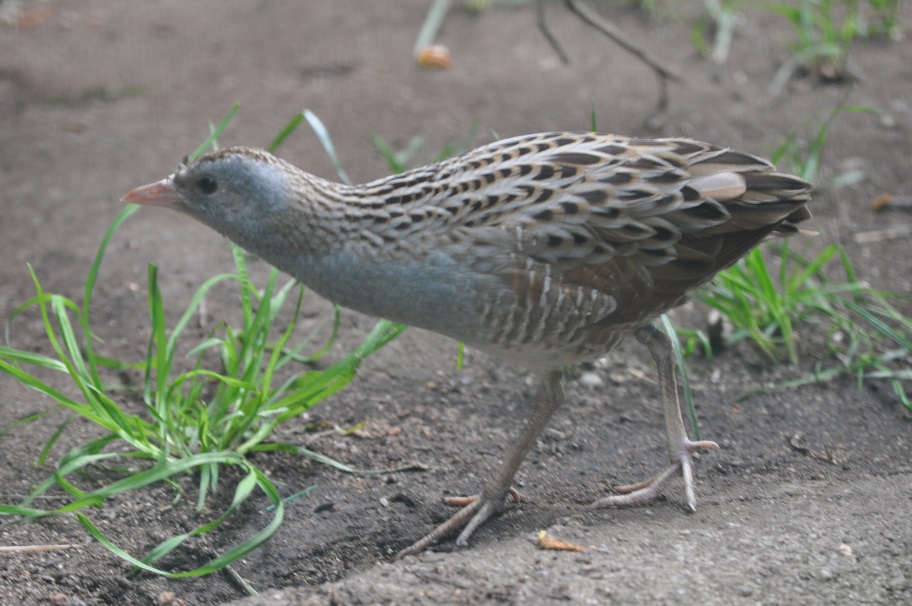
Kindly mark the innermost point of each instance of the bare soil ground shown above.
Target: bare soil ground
(808, 499)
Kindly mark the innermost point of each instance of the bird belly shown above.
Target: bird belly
(549, 356)
(431, 293)
(535, 328)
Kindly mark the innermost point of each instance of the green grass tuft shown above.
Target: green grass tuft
(802, 151)
(866, 336)
(195, 421)
(826, 30)
(720, 16)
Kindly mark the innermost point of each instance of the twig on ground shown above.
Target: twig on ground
(881, 235)
(589, 16)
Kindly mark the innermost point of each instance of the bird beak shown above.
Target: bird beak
(160, 193)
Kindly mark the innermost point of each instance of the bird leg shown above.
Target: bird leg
(679, 445)
(482, 506)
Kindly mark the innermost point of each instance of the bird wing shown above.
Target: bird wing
(641, 220)
(591, 198)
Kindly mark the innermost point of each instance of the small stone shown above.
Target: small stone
(745, 591)
(592, 380)
(165, 598)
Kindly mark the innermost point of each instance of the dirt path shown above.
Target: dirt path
(807, 501)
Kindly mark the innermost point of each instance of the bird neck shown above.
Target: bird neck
(326, 217)
(325, 235)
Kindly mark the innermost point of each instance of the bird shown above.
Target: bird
(543, 250)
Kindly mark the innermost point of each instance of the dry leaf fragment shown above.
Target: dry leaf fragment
(881, 202)
(436, 56)
(546, 542)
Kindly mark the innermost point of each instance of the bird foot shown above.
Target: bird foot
(648, 490)
(513, 495)
(476, 510)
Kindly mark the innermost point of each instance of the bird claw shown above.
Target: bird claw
(649, 490)
(475, 511)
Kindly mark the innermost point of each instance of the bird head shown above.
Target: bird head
(234, 191)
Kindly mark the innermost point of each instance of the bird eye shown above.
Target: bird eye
(207, 185)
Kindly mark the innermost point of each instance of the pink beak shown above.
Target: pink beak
(160, 193)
